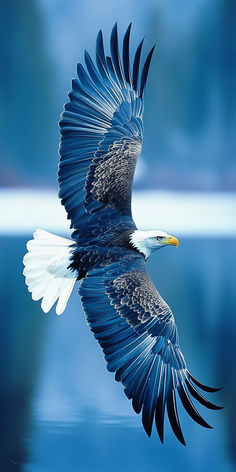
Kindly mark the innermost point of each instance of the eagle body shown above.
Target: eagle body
(114, 243)
(101, 139)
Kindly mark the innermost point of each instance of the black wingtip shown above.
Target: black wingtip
(202, 386)
(147, 429)
(136, 65)
(159, 418)
(100, 53)
(145, 72)
(100, 36)
(200, 398)
(147, 417)
(173, 416)
(114, 45)
(126, 64)
(189, 407)
(114, 31)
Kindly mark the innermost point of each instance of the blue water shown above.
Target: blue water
(62, 411)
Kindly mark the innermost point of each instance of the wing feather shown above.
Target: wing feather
(160, 406)
(145, 72)
(136, 65)
(138, 335)
(126, 63)
(116, 56)
(101, 135)
(189, 406)
(172, 410)
(195, 394)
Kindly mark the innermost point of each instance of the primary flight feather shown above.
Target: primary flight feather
(101, 140)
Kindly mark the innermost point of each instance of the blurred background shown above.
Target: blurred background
(60, 409)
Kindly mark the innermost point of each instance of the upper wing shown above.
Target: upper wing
(102, 133)
(137, 331)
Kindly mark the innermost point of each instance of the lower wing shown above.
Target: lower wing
(137, 332)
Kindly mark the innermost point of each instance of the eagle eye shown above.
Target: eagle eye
(159, 237)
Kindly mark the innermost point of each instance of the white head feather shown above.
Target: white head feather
(147, 241)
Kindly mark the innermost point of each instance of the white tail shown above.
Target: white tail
(46, 270)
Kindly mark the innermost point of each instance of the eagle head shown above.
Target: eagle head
(147, 242)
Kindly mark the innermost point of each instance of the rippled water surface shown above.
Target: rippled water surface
(62, 411)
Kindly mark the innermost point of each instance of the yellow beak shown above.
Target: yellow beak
(171, 240)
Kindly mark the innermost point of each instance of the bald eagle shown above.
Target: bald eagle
(101, 139)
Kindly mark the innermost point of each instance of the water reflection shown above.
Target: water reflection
(61, 410)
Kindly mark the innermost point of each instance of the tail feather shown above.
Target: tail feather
(46, 270)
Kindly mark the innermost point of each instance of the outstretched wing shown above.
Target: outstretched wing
(137, 332)
(102, 133)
